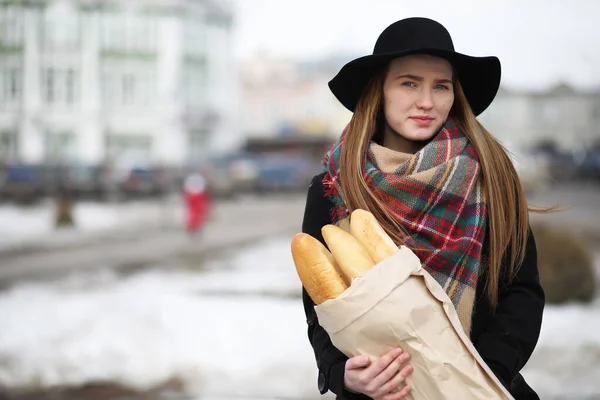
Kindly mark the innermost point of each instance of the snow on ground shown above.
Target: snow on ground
(147, 328)
(236, 329)
(19, 225)
(566, 362)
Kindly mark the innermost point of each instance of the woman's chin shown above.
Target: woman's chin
(421, 135)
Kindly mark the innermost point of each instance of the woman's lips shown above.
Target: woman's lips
(422, 121)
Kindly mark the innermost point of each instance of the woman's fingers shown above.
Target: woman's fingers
(354, 369)
(380, 381)
(398, 380)
(398, 395)
(381, 378)
(358, 362)
(378, 366)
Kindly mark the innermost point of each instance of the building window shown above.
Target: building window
(112, 31)
(49, 86)
(107, 89)
(128, 95)
(11, 81)
(14, 84)
(11, 26)
(130, 87)
(60, 146)
(8, 146)
(194, 36)
(120, 146)
(128, 33)
(59, 86)
(141, 33)
(194, 81)
(70, 86)
(61, 29)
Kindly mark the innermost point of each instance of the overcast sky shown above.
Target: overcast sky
(539, 42)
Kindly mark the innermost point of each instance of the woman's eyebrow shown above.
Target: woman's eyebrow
(420, 78)
(413, 77)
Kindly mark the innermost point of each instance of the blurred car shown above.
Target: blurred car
(90, 181)
(143, 181)
(21, 183)
(219, 183)
(284, 172)
(229, 174)
(562, 165)
(244, 172)
(588, 164)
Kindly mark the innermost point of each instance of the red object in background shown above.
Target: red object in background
(198, 204)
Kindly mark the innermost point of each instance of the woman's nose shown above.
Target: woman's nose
(425, 100)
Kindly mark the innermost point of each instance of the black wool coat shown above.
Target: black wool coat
(505, 339)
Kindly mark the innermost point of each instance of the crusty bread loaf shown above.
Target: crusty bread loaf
(352, 258)
(367, 230)
(316, 268)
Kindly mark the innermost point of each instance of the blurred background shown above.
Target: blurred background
(154, 162)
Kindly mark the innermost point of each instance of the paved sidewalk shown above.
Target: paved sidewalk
(161, 237)
(233, 223)
(28, 230)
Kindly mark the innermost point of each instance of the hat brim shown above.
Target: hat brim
(478, 76)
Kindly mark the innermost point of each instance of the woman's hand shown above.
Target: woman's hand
(380, 379)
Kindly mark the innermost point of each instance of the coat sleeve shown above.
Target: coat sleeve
(330, 361)
(511, 333)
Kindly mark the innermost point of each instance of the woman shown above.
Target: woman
(197, 203)
(416, 157)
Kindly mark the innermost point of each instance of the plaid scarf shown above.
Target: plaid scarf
(437, 196)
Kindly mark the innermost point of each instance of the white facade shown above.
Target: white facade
(560, 114)
(281, 96)
(95, 81)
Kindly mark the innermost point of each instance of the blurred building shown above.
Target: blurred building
(90, 81)
(560, 114)
(284, 97)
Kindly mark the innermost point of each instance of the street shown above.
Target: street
(232, 223)
(156, 315)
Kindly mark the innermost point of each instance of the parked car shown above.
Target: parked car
(143, 181)
(561, 163)
(227, 175)
(244, 171)
(21, 183)
(219, 183)
(588, 164)
(283, 172)
(80, 180)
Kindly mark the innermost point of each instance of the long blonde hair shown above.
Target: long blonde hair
(508, 211)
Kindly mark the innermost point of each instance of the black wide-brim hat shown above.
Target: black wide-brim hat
(478, 76)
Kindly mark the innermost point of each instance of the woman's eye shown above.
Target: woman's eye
(409, 84)
(442, 87)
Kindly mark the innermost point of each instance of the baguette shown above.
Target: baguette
(316, 268)
(352, 258)
(367, 230)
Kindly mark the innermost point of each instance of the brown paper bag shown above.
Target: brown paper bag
(398, 303)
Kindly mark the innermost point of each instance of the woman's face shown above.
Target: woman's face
(418, 95)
